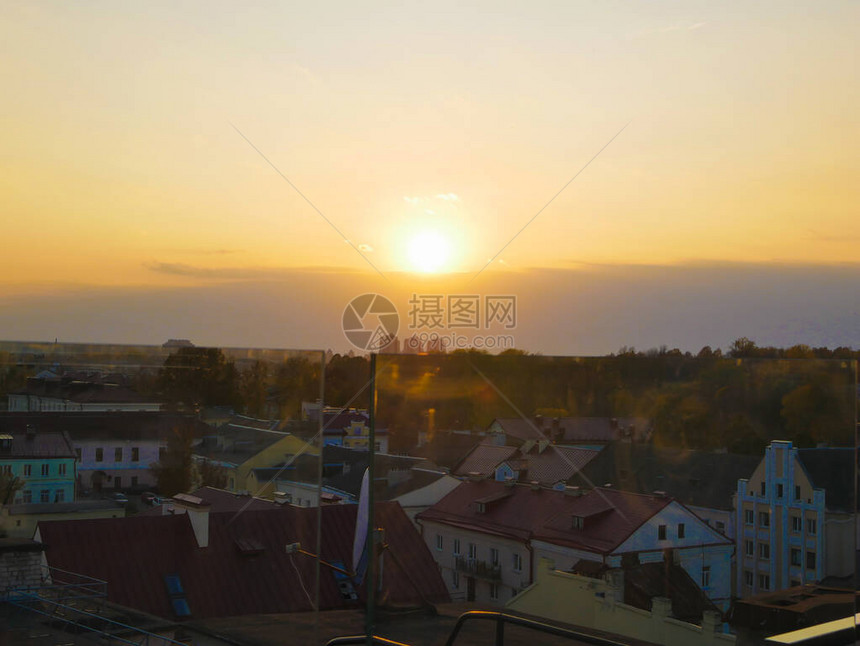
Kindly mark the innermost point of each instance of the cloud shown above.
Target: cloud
(365, 248)
(412, 200)
(448, 197)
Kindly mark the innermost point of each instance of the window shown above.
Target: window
(795, 556)
(749, 516)
(117, 454)
(518, 563)
(748, 578)
(135, 454)
(706, 576)
(811, 526)
(764, 518)
(763, 489)
(473, 551)
(764, 550)
(779, 491)
(494, 591)
(456, 547)
(133, 481)
(494, 556)
(61, 468)
(681, 530)
(46, 469)
(455, 579)
(794, 583)
(26, 496)
(28, 469)
(749, 548)
(764, 582)
(100, 455)
(59, 495)
(810, 560)
(439, 542)
(117, 482)
(78, 454)
(796, 525)
(45, 495)
(661, 532)
(7, 469)
(797, 492)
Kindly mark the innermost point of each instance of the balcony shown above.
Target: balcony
(478, 568)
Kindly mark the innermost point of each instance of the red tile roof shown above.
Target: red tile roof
(544, 514)
(135, 554)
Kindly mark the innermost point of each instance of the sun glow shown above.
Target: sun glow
(428, 251)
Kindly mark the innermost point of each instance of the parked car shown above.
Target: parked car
(148, 498)
(119, 497)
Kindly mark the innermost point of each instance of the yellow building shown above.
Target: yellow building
(597, 604)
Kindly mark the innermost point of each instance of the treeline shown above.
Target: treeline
(705, 402)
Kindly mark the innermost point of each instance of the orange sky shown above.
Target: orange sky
(119, 159)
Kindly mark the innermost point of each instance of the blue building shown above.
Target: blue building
(43, 462)
(794, 518)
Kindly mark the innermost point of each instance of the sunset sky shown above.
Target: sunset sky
(121, 167)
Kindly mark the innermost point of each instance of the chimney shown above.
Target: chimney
(474, 476)
(575, 492)
(535, 485)
(31, 432)
(198, 513)
(539, 422)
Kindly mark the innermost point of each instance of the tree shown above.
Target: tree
(199, 377)
(211, 474)
(174, 469)
(9, 486)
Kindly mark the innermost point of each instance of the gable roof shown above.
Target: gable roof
(553, 464)
(544, 514)
(134, 555)
(698, 478)
(612, 517)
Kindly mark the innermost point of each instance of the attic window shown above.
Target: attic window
(482, 507)
(578, 522)
(176, 593)
(249, 546)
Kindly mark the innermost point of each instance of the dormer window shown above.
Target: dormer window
(482, 507)
(578, 522)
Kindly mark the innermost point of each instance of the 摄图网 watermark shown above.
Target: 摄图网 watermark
(436, 322)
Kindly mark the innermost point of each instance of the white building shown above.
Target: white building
(486, 537)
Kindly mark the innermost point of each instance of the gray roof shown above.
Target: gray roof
(36, 445)
(698, 478)
(553, 464)
(832, 469)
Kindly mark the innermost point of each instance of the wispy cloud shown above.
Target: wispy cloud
(448, 197)
(365, 247)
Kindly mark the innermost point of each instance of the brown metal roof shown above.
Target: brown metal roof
(135, 554)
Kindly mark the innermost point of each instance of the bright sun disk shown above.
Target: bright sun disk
(428, 251)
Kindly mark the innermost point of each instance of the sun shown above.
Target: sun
(428, 251)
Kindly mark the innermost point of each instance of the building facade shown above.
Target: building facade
(43, 463)
(793, 516)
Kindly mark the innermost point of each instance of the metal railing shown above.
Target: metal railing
(478, 568)
(501, 619)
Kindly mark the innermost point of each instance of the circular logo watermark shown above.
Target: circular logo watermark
(370, 322)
